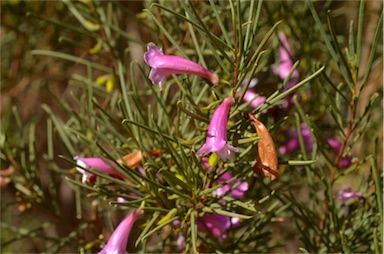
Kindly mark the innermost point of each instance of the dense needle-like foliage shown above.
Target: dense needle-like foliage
(265, 134)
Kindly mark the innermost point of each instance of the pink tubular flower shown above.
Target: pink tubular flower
(286, 63)
(348, 194)
(163, 65)
(217, 133)
(96, 163)
(293, 142)
(336, 145)
(117, 243)
(285, 66)
(180, 243)
(217, 225)
(238, 192)
(250, 96)
(254, 99)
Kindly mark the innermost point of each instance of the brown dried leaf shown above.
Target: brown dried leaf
(132, 159)
(267, 162)
(136, 158)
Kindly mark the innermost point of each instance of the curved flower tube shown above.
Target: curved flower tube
(216, 141)
(117, 243)
(97, 163)
(163, 65)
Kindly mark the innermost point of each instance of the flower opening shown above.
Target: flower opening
(217, 133)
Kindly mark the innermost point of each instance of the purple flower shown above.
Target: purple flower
(346, 161)
(163, 65)
(117, 243)
(121, 200)
(180, 242)
(293, 142)
(250, 96)
(217, 133)
(217, 225)
(238, 192)
(286, 63)
(254, 99)
(285, 66)
(348, 194)
(97, 163)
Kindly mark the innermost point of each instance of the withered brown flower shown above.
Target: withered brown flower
(267, 162)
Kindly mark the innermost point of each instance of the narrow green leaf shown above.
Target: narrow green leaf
(84, 22)
(148, 226)
(60, 128)
(249, 205)
(366, 111)
(215, 210)
(377, 179)
(351, 42)
(158, 228)
(170, 215)
(61, 24)
(272, 101)
(344, 66)
(300, 163)
(70, 58)
(260, 47)
(222, 27)
(216, 44)
(147, 128)
(359, 39)
(193, 227)
(373, 52)
(171, 178)
(192, 115)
